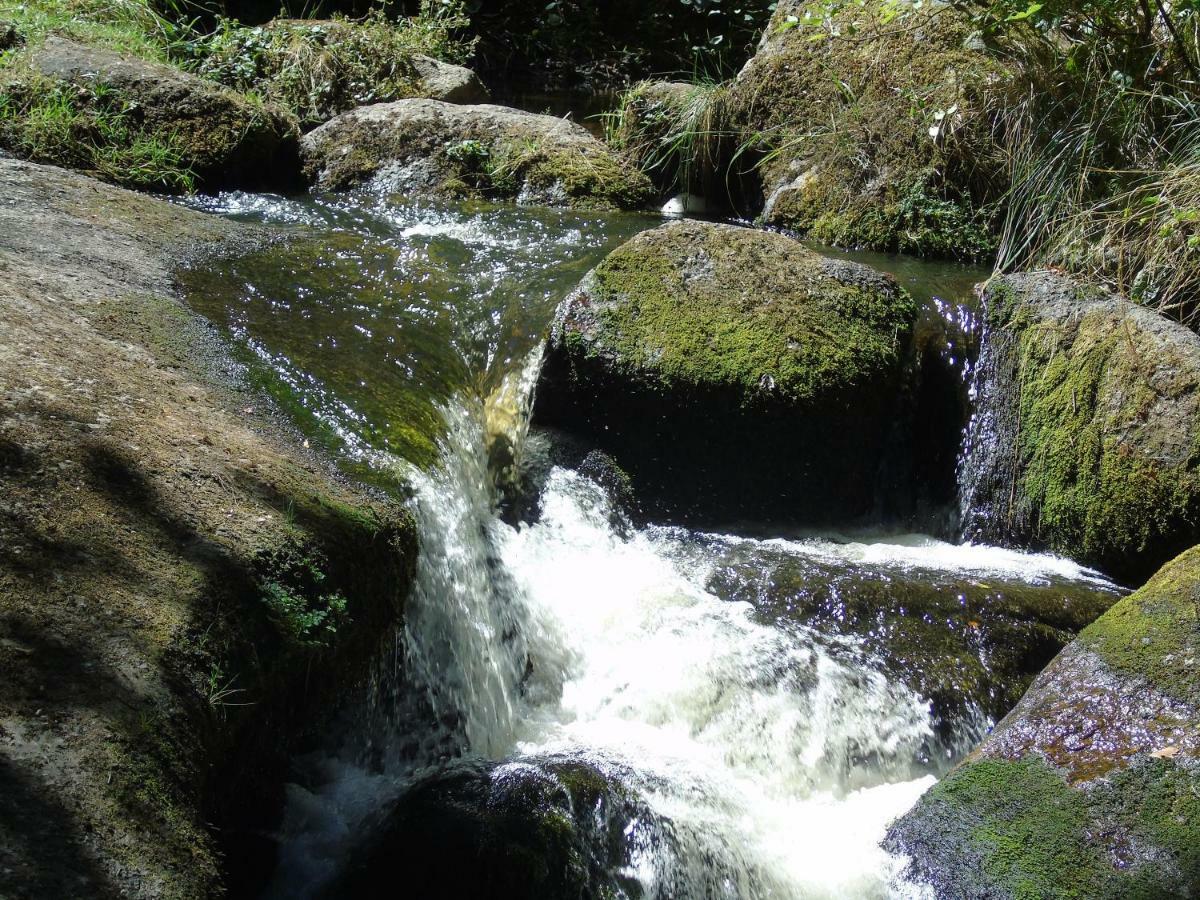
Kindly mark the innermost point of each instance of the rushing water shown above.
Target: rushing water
(778, 745)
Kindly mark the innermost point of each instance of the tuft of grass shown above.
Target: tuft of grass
(676, 133)
(126, 26)
(93, 128)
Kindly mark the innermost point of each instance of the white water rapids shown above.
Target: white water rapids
(779, 753)
(782, 762)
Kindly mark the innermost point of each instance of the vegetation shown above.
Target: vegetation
(93, 128)
(317, 69)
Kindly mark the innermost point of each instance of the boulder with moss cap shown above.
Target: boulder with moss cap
(431, 148)
(1086, 434)
(733, 371)
(1090, 787)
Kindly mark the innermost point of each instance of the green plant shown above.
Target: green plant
(90, 127)
(320, 68)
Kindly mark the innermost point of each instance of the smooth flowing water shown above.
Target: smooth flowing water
(760, 695)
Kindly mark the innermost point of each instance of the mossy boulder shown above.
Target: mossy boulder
(219, 137)
(427, 147)
(1086, 434)
(732, 371)
(551, 829)
(318, 68)
(874, 131)
(1090, 787)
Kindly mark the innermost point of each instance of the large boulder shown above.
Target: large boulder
(423, 147)
(175, 567)
(1086, 435)
(1090, 787)
(223, 138)
(733, 372)
(875, 131)
(552, 829)
(318, 68)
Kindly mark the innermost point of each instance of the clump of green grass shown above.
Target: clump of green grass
(675, 132)
(92, 128)
(318, 69)
(126, 26)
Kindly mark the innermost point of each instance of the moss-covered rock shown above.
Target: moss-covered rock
(1086, 436)
(318, 68)
(426, 147)
(534, 828)
(125, 119)
(1090, 788)
(697, 348)
(874, 131)
(185, 591)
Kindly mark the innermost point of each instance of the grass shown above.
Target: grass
(319, 69)
(676, 133)
(92, 128)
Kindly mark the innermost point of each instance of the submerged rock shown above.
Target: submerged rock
(1090, 787)
(225, 139)
(733, 373)
(873, 132)
(1086, 437)
(540, 829)
(184, 589)
(425, 147)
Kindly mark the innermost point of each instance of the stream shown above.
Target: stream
(768, 700)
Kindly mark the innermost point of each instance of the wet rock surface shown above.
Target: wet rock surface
(531, 828)
(183, 588)
(1090, 786)
(1084, 438)
(429, 148)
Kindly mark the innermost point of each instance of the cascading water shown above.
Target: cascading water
(769, 753)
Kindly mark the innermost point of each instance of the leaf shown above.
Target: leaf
(1032, 10)
(1165, 753)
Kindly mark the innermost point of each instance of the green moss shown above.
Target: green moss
(1155, 633)
(854, 106)
(730, 307)
(1032, 829)
(1092, 492)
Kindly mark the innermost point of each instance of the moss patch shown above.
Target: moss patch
(880, 129)
(697, 305)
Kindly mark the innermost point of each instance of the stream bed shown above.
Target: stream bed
(764, 702)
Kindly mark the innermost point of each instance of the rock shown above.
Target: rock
(733, 372)
(226, 139)
(426, 147)
(547, 829)
(448, 83)
(1086, 435)
(151, 510)
(1090, 787)
(970, 645)
(879, 136)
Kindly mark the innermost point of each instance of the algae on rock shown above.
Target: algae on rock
(1086, 436)
(1090, 787)
(696, 345)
